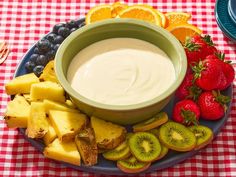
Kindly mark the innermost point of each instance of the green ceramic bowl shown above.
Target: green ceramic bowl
(115, 28)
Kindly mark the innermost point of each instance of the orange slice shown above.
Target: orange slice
(98, 13)
(163, 18)
(117, 7)
(177, 17)
(141, 12)
(183, 30)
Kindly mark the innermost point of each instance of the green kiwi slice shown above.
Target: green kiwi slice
(177, 137)
(203, 134)
(120, 152)
(149, 124)
(132, 165)
(144, 146)
(164, 151)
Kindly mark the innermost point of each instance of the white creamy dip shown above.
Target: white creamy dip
(121, 71)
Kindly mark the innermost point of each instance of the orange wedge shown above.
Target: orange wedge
(183, 30)
(177, 17)
(117, 7)
(141, 12)
(163, 18)
(98, 13)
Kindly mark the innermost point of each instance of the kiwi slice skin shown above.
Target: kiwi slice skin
(149, 124)
(120, 152)
(204, 135)
(164, 151)
(145, 146)
(132, 165)
(177, 137)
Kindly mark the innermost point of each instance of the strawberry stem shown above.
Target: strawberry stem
(208, 40)
(189, 117)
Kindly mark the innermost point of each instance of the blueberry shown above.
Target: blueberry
(43, 45)
(56, 47)
(64, 31)
(38, 70)
(58, 40)
(71, 24)
(51, 37)
(81, 24)
(73, 29)
(41, 60)
(36, 50)
(50, 54)
(29, 66)
(33, 57)
(57, 26)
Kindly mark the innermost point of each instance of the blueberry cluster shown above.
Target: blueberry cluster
(46, 48)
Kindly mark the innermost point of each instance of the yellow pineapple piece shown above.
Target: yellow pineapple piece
(87, 146)
(52, 105)
(37, 122)
(70, 104)
(27, 97)
(17, 113)
(67, 124)
(21, 84)
(47, 90)
(108, 135)
(49, 73)
(63, 151)
(51, 135)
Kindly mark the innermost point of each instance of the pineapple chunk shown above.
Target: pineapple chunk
(49, 73)
(37, 122)
(17, 114)
(27, 97)
(108, 135)
(52, 105)
(47, 90)
(87, 146)
(70, 104)
(51, 135)
(63, 151)
(67, 124)
(21, 84)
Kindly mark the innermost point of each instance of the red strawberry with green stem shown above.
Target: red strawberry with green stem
(212, 105)
(188, 89)
(208, 74)
(198, 47)
(227, 69)
(186, 112)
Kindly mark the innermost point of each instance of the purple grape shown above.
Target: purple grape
(33, 57)
(41, 60)
(51, 37)
(64, 31)
(57, 26)
(58, 40)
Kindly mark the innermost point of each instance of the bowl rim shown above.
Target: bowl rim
(66, 85)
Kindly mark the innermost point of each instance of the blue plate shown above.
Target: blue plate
(232, 10)
(225, 12)
(108, 167)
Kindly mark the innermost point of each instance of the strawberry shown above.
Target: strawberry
(198, 47)
(212, 105)
(186, 112)
(208, 74)
(188, 89)
(227, 69)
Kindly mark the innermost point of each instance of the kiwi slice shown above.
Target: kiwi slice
(120, 152)
(203, 134)
(144, 146)
(154, 131)
(132, 165)
(149, 124)
(177, 137)
(164, 151)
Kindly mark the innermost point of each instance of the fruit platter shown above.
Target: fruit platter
(45, 114)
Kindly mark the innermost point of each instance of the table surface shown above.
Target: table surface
(22, 23)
